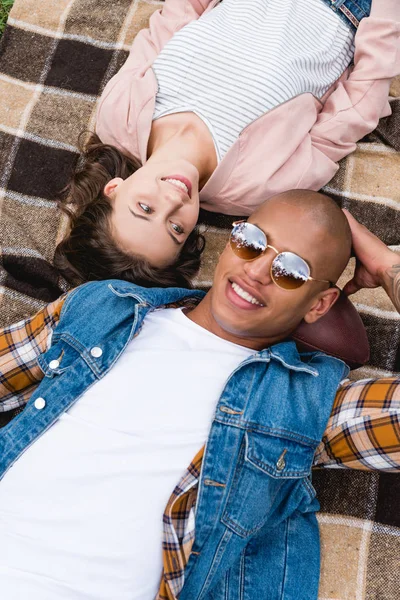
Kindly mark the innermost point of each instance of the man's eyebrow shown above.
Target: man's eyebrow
(177, 242)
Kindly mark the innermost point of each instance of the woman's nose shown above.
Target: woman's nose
(260, 269)
(173, 196)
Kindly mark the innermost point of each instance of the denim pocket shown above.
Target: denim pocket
(278, 456)
(268, 481)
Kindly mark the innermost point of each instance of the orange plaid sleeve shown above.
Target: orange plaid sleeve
(363, 431)
(179, 530)
(20, 344)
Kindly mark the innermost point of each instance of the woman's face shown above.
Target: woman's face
(155, 209)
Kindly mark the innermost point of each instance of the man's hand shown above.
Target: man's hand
(376, 264)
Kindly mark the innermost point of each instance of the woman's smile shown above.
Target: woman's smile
(181, 182)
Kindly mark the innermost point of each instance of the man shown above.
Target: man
(131, 388)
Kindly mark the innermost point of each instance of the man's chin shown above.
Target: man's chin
(259, 333)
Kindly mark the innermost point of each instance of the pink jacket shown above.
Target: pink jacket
(295, 145)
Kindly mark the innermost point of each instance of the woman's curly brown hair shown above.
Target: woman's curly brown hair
(89, 251)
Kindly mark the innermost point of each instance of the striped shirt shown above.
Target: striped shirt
(245, 58)
(363, 432)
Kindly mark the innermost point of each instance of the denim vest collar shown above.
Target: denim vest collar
(153, 297)
(287, 354)
(75, 326)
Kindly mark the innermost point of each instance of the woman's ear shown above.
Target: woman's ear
(111, 186)
(323, 304)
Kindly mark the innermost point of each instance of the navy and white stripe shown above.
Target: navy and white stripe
(244, 58)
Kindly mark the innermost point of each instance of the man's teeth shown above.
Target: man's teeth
(245, 295)
(178, 184)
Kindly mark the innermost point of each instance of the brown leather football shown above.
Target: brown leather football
(340, 333)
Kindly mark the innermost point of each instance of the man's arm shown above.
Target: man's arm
(20, 345)
(354, 108)
(376, 264)
(363, 431)
(391, 283)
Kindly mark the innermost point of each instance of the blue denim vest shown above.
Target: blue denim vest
(256, 530)
(351, 11)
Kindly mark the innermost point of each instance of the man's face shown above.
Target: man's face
(245, 302)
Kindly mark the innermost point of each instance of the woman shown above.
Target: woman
(219, 106)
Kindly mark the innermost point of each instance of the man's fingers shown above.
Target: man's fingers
(351, 287)
(367, 246)
(357, 230)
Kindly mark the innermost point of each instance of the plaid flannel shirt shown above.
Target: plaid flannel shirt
(363, 432)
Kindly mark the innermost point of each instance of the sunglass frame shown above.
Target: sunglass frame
(262, 252)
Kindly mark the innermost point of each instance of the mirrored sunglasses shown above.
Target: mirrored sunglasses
(288, 270)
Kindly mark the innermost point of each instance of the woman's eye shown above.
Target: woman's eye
(145, 208)
(177, 228)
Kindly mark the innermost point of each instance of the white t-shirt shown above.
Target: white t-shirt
(81, 510)
(246, 57)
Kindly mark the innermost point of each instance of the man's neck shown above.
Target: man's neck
(183, 135)
(202, 316)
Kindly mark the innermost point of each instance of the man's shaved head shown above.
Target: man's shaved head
(244, 304)
(324, 223)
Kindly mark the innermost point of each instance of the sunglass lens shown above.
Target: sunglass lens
(289, 271)
(247, 241)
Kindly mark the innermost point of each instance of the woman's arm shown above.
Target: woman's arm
(163, 23)
(354, 108)
(177, 9)
(20, 345)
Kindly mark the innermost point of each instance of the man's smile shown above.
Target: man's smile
(242, 298)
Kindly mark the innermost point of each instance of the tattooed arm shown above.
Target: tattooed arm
(376, 266)
(392, 283)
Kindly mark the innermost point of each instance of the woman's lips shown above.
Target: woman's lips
(183, 180)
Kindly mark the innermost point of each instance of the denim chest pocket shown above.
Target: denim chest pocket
(61, 357)
(268, 481)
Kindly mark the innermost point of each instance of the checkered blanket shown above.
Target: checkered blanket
(56, 57)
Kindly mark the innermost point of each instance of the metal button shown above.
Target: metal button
(40, 403)
(54, 364)
(281, 464)
(96, 352)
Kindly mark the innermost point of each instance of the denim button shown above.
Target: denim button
(54, 364)
(281, 464)
(96, 352)
(40, 403)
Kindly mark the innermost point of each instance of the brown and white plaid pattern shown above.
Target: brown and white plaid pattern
(55, 58)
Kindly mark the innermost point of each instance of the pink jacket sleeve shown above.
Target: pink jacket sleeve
(163, 23)
(356, 105)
